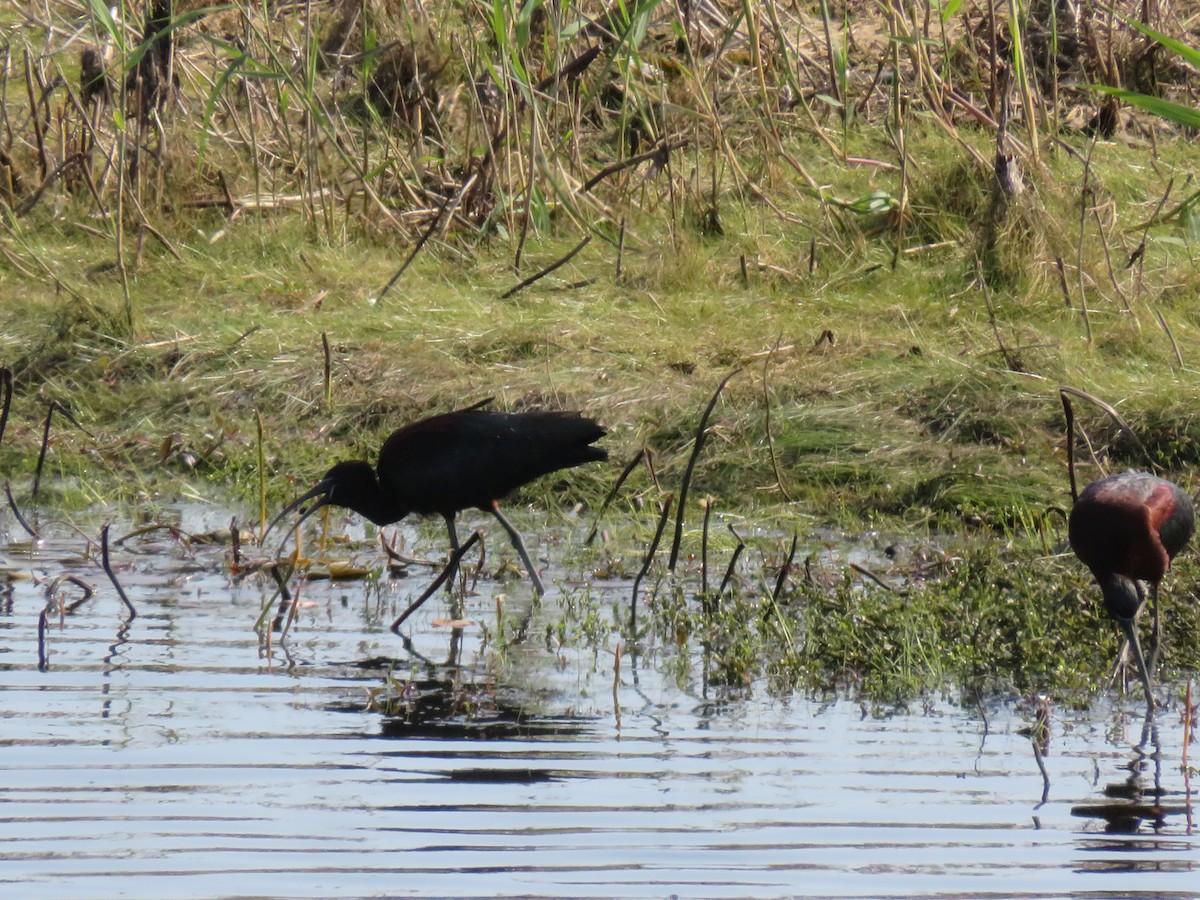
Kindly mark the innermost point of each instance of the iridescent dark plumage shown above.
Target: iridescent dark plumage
(1127, 528)
(470, 458)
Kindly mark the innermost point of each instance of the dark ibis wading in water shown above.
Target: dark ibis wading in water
(460, 460)
(1127, 528)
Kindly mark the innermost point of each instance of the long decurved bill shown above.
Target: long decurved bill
(1129, 626)
(319, 493)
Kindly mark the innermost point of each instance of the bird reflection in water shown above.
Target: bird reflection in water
(1139, 800)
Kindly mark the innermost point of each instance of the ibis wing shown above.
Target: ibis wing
(472, 457)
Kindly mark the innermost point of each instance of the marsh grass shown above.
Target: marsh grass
(817, 187)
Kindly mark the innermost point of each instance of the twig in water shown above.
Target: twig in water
(112, 576)
(773, 606)
(89, 591)
(641, 455)
(781, 579)
(709, 503)
(12, 504)
(537, 276)
(399, 558)
(171, 530)
(637, 581)
(448, 572)
(697, 446)
(51, 598)
(732, 567)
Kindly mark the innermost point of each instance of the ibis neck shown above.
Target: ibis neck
(375, 503)
(1122, 596)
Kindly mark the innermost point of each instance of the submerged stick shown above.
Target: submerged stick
(44, 615)
(447, 572)
(697, 446)
(112, 576)
(637, 581)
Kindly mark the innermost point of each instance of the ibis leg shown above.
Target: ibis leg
(1130, 627)
(1156, 631)
(453, 533)
(515, 537)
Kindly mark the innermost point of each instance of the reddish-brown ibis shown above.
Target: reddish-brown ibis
(1127, 528)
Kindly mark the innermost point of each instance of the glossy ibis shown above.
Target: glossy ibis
(469, 458)
(1127, 528)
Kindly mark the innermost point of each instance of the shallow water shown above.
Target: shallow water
(179, 757)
